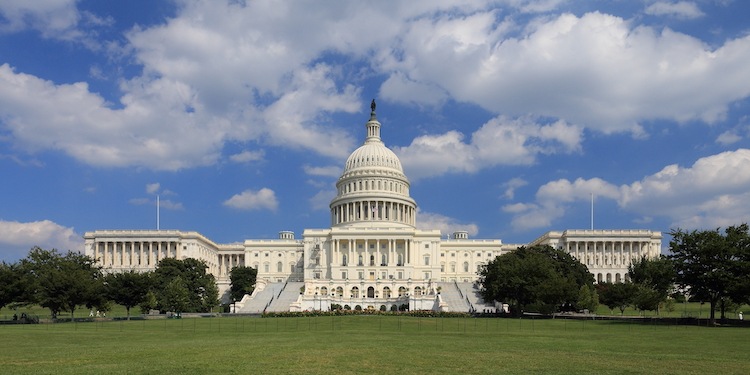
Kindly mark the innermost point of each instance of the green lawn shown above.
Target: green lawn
(372, 344)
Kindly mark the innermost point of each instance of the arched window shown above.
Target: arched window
(370, 292)
(453, 267)
(279, 267)
(384, 260)
(355, 292)
(401, 291)
(323, 291)
(266, 267)
(340, 291)
(466, 266)
(386, 292)
(442, 266)
(400, 260)
(426, 260)
(291, 267)
(343, 260)
(418, 291)
(372, 260)
(360, 260)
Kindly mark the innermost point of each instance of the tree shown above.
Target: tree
(243, 282)
(175, 296)
(538, 278)
(655, 278)
(588, 298)
(127, 288)
(12, 285)
(200, 285)
(618, 295)
(63, 282)
(711, 263)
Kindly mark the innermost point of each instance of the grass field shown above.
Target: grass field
(692, 309)
(372, 344)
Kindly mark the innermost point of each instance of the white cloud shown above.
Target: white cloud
(501, 141)
(597, 70)
(153, 188)
(322, 199)
(253, 200)
(680, 9)
(16, 239)
(51, 17)
(249, 71)
(512, 185)
(248, 156)
(447, 225)
(330, 171)
(713, 192)
(728, 137)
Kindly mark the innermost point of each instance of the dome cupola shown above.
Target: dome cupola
(373, 188)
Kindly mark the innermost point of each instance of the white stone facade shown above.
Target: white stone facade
(372, 255)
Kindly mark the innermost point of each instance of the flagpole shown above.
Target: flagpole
(592, 211)
(157, 212)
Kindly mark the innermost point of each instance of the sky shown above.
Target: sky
(508, 116)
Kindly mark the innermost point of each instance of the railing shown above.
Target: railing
(268, 304)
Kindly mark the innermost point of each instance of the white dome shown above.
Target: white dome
(372, 155)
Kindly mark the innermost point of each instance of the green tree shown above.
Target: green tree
(63, 282)
(128, 288)
(587, 298)
(711, 263)
(12, 284)
(175, 296)
(618, 295)
(201, 286)
(537, 278)
(242, 282)
(655, 278)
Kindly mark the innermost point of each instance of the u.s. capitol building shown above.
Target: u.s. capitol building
(372, 255)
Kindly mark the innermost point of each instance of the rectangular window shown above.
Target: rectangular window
(317, 275)
(382, 246)
(426, 246)
(426, 275)
(343, 246)
(359, 246)
(382, 275)
(343, 275)
(372, 246)
(400, 275)
(361, 275)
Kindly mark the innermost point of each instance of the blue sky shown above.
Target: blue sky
(507, 115)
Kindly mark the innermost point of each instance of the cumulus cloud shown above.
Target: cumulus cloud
(680, 9)
(248, 156)
(249, 71)
(713, 192)
(153, 188)
(51, 17)
(253, 200)
(447, 225)
(16, 238)
(501, 141)
(330, 171)
(597, 70)
(512, 185)
(322, 199)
